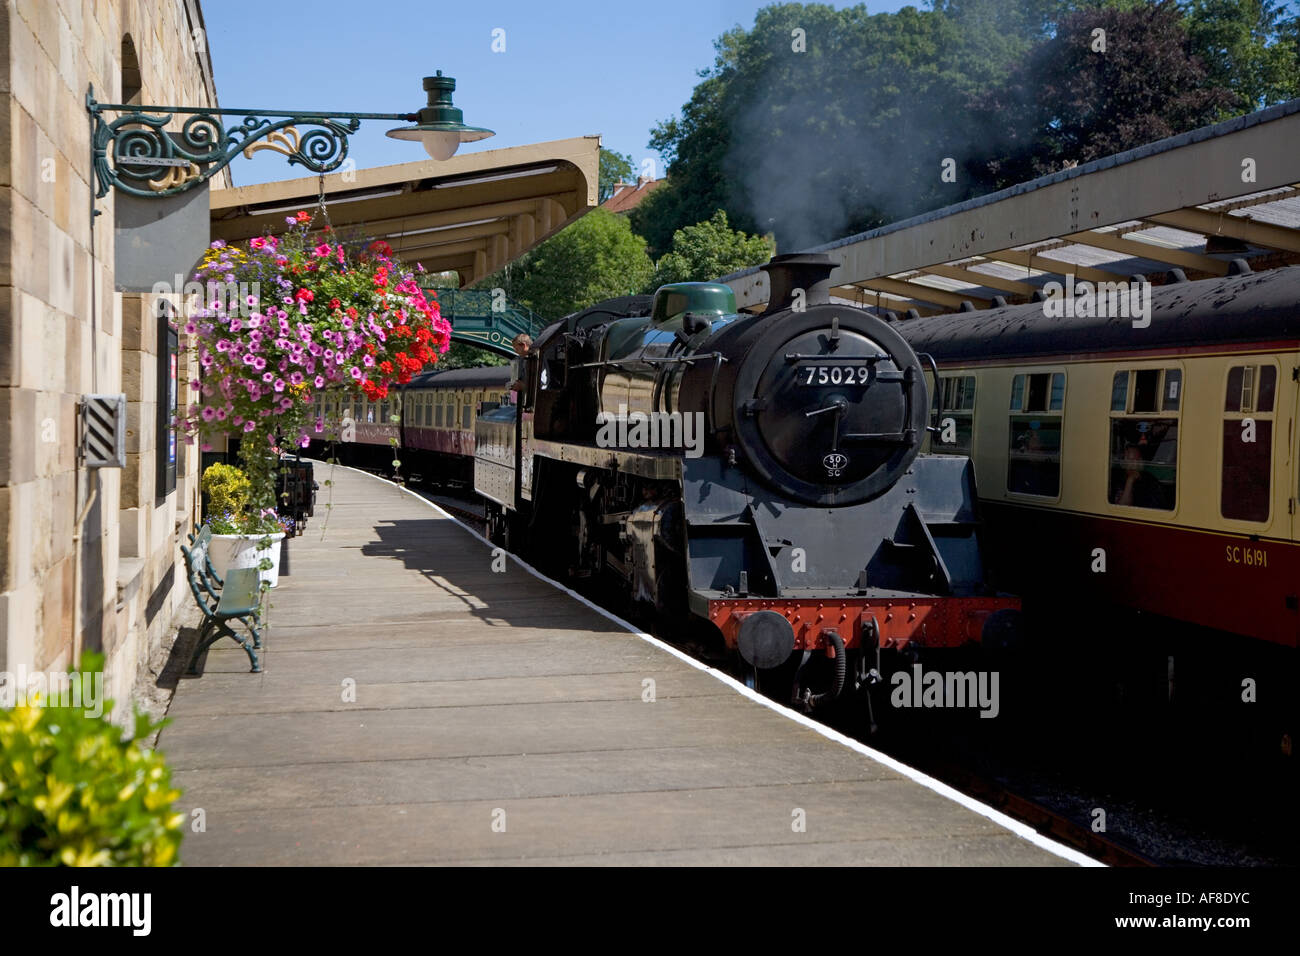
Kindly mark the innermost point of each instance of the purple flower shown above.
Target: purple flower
(221, 414)
(268, 377)
(320, 383)
(249, 426)
(295, 378)
(356, 373)
(259, 363)
(209, 413)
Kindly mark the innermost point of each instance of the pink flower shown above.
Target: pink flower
(279, 385)
(320, 382)
(249, 426)
(209, 413)
(321, 251)
(257, 243)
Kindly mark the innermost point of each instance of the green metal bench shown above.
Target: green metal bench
(236, 598)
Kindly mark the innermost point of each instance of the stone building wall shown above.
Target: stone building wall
(90, 558)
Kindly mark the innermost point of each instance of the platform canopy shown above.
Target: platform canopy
(1193, 202)
(471, 214)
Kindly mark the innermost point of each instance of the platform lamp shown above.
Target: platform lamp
(135, 154)
(440, 127)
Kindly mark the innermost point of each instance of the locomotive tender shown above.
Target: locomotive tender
(808, 534)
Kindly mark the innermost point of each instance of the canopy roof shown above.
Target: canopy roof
(471, 214)
(1193, 202)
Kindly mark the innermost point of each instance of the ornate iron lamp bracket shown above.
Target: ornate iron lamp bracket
(136, 154)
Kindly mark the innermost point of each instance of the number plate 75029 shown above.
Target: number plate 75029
(839, 374)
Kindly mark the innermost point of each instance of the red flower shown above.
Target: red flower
(305, 295)
(352, 312)
(335, 303)
(303, 217)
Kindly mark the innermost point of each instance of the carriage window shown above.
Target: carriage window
(1034, 455)
(955, 402)
(1144, 438)
(1248, 442)
(467, 416)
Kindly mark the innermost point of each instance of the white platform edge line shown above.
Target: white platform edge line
(1022, 830)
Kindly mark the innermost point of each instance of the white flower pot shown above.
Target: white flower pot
(227, 551)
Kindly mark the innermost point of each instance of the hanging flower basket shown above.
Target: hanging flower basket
(286, 318)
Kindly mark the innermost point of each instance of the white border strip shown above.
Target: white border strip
(1020, 829)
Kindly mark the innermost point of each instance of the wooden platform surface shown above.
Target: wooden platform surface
(418, 707)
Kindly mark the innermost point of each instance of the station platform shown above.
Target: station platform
(499, 719)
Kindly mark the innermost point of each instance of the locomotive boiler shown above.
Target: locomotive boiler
(755, 480)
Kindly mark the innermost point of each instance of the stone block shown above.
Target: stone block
(60, 268)
(18, 627)
(10, 337)
(31, 254)
(134, 524)
(29, 66)
(56, 612)
(17, 435)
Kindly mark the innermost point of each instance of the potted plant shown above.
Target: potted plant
(240, 539)
(286, 318)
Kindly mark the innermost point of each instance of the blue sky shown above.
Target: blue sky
(570, 67)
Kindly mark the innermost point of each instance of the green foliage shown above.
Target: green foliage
(615, 168)
(228, 490)
(230, 493)
(75, 792)
(709, 250)
(1248, 47)
(1075, 104)
(597, 257)
(852, 132)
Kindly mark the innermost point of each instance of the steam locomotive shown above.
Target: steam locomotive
(755, 478)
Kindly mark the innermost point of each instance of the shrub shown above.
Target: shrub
(75, 791)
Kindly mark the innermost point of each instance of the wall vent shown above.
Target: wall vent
(103, 431)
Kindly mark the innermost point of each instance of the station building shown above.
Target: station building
(91, 556)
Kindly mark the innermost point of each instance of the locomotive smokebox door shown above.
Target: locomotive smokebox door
(766, 639)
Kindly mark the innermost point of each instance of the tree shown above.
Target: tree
(1077, 100)
(597, 257)
(820, 122)
(615, 168)
(709, 250)
(1247, 46)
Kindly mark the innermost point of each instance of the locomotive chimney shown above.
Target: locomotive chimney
(809, 271)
